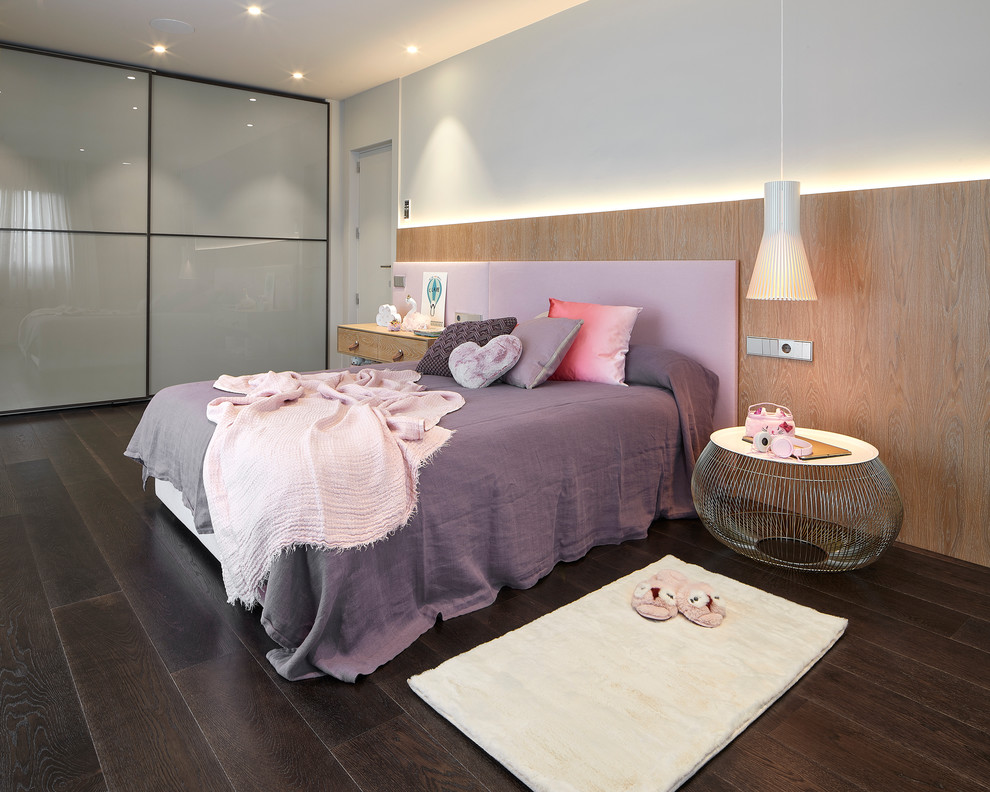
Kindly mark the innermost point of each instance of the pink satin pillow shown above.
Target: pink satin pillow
(598, 354)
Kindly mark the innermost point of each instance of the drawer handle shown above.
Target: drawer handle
(397, 356)
(353, 347)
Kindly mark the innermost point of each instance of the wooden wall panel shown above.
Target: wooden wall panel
(902, 345)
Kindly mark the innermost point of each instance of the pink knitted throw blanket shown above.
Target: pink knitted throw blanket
(328, 460)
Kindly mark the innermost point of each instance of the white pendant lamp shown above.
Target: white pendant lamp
(781, 271)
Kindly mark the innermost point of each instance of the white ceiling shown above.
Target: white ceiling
(342, 47)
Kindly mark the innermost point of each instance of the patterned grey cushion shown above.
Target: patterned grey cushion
(481, 332)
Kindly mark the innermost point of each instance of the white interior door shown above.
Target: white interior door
(373, 234)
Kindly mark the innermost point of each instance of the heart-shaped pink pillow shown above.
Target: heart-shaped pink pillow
(478, 367)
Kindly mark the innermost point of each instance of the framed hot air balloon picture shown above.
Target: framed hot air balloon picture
(434, 298)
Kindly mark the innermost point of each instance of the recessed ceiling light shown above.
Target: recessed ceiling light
(134, 107)
(125, 163)
(160, 49)
(252, 99)
(131, 77)
(250, 125)
(82, 149)
(297, 75)
(174, 26)
(412, 49)
(254, 10)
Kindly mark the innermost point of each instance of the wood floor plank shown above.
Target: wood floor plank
(29, 475)
(450, 637)
(336, 711)
(490, 773)
(599, 568)
(8, 503)
(557, 590)
(933, 688)
(398, 755)
(203, 571)
(106, 447)
(134, 410)
(976, 633)
(708, 782)
(184, 628)
(939, 739)
(939, 593)
(285, 753)
(934, 649)
(192, 555)
(71, 459)
(121, 420)
(915, 610)
(47, 745)
(955, 572)
(862, 756)
(71, 565)
(510, 611)
(758, 763)
(144, 734)
(18, 442)
(410, 661)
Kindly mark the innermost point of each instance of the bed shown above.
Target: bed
(529, 478)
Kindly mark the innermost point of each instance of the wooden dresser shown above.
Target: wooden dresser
(379, 343)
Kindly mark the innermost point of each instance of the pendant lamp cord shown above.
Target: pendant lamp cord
(781, 90)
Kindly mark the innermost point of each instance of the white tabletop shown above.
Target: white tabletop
(731, 439)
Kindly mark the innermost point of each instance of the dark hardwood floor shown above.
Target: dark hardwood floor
(123, 668)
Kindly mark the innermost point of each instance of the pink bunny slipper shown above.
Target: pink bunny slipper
(656, 597)
(699, 603)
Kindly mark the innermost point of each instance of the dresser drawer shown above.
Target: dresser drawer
(395, 348)
(357, 343)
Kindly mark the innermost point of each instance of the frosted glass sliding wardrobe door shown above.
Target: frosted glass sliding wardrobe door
(238, 232)
(73, 231)
(107, 297)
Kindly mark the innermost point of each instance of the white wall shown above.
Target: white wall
(623, 103)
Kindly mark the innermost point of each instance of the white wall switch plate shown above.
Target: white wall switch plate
(464, 316)
(779, 348)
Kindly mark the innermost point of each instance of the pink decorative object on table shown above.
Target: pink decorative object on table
(768, 417)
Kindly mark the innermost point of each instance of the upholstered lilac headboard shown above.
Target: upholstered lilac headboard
(690, 306)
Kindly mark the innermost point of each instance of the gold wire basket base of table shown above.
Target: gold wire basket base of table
(796, 542)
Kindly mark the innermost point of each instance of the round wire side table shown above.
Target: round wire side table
(826, 515)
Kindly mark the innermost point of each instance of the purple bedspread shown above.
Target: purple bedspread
(529, 478)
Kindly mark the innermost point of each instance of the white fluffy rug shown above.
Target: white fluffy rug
(595, 697)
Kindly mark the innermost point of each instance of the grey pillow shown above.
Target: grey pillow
(545, 341)
(481, 332)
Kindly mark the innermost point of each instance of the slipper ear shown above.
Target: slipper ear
(700, 603)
